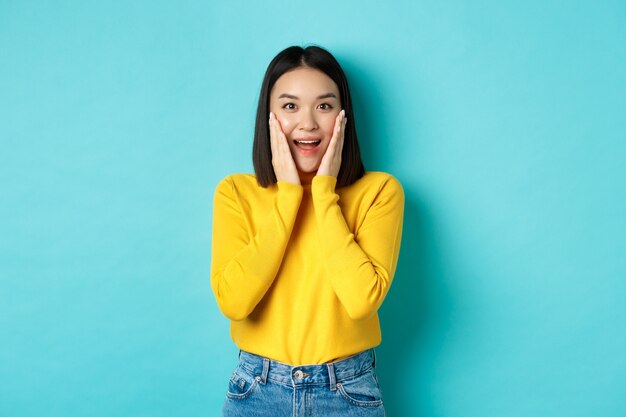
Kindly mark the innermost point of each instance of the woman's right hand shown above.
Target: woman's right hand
(282, 161)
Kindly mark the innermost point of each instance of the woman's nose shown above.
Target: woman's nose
(307, 121)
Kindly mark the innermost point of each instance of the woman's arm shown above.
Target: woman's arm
(243, 267)
(360, 269)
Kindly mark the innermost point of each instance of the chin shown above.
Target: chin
(308, 168)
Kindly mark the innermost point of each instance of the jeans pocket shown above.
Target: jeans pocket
(242, 384)
(362, 391)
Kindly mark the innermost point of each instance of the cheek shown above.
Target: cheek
(288, 124)
(328, 127)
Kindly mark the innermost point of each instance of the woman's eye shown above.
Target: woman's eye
(289, 106)
(325, 106)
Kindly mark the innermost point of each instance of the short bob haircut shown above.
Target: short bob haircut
(290, 59)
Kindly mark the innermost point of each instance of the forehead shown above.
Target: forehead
(304, 83)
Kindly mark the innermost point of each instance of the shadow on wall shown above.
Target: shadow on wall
(413, 314)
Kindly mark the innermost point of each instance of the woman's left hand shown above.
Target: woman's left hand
(331, 161)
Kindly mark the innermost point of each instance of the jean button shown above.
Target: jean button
(298, 374)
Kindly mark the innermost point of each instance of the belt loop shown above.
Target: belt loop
(266, 369)
(374, 362)
(331, 376)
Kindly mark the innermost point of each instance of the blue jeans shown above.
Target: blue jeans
(263, 387)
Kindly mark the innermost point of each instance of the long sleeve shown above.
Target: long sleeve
(243, 267)
(360, 268)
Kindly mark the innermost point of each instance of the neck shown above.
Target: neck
(306, 177)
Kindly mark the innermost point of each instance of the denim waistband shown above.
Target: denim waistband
(324, 374)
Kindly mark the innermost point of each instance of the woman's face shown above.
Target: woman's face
(306, 102)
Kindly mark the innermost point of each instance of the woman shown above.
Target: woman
(304, 251)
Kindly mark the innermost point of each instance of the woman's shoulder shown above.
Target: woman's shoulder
(374, 186)
(379, 180)
(239, 183)
(244, 179)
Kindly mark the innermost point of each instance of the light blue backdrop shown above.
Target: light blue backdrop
(504, 121)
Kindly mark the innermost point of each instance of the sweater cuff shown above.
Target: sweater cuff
(323, 184)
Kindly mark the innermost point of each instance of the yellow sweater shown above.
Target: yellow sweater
(301, 270)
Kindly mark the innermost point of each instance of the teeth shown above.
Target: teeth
(308, 141)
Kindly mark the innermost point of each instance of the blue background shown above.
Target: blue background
(504, 121)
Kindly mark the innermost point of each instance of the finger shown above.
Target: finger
(330, 156)
(343, 131)
(278, 144)
(338, 131)
(339, 120)
(281, 138)
(339, 141)
(342, 122)
(277, 136)
(272, 126)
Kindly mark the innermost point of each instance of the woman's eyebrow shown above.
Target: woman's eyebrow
(292, 97)
(327, 95)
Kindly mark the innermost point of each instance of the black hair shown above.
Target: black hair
(289, 59)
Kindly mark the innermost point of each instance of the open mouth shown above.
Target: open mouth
(307, 144)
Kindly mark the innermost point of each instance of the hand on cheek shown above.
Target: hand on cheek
(331, 162)
(282, 161)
